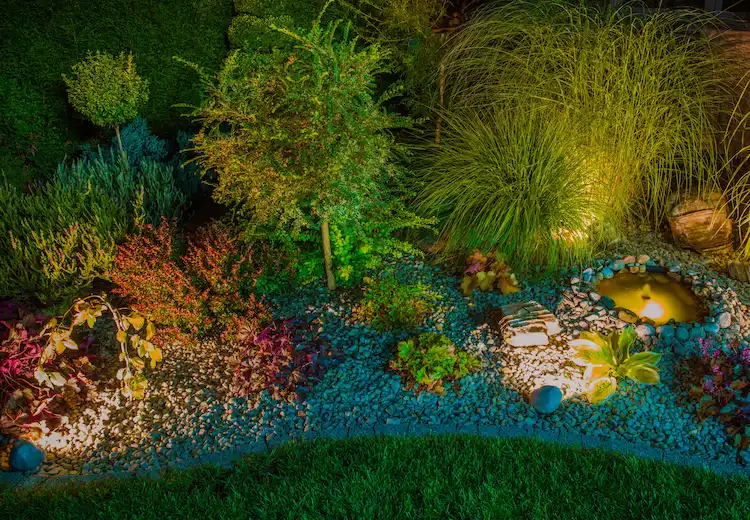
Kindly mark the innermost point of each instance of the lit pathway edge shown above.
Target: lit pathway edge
(226, 457)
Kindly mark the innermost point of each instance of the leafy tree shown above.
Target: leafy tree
(107, 90)
(298, 141)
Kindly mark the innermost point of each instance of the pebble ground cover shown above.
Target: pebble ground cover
(191, 410)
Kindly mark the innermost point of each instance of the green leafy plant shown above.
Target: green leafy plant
(487, 272)
(607, 359)
(107, 90)
(55, 241)
(389, 304)
(432, 360)
(299, 142)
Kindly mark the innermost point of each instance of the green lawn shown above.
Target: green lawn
(388, 478)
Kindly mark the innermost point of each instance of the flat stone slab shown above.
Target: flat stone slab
(527, 324)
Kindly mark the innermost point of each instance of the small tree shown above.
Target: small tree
(107, 90)
(299, 141)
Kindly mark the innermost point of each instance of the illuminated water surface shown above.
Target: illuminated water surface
(653, 296)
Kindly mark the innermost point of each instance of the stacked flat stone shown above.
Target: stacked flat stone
(527, 324)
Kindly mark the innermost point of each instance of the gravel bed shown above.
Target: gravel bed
(190, 412)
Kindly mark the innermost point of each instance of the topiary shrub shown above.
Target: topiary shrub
(285, 359)
(430, 361)
(54, 241)
(388, 304)
(107, 90)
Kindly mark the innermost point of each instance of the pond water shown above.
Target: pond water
(654, 296)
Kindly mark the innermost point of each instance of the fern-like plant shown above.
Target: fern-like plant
(607, 359)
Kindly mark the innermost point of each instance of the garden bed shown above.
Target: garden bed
(190, 411)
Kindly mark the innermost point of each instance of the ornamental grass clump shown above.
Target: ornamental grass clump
(607, 359)
(388, 304)
(565, 120)
(430, 361)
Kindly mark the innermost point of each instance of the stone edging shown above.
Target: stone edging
(225, 458)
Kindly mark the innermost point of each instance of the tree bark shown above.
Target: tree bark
(327, 257)
(119, 142)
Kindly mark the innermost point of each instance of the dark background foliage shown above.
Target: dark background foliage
(41, 39)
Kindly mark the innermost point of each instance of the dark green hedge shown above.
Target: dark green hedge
(41, 39)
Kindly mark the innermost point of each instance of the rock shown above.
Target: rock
(617, 265)
(682, 333)
(527, 324)
(642, 259)
(25, 457)
(546, 399)
(739, 270)
(702, 224)
(711, 328)
(630, 259)
(587, 275)
(667, 331)
(697, 332)
(607, 302)
(595, 297)
(607, 272)
(725, 320)
(627, 316)
(645, 330)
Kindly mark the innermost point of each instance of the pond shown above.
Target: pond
(654, 296)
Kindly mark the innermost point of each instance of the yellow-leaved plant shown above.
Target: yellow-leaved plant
(134, 334)
(607, 359)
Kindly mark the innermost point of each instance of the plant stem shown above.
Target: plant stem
(327, 258)
(119, 142)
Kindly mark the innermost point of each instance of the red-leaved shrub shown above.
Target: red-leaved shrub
(284, 359)
(200, 294)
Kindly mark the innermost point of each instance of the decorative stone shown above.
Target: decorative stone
(739, 270)
(630, 259)
(683, 334)
(607, 272)
(725, 320)
(645, 330)
(627, 316)
(25, 457)
(702, 224)
(711, 328)
(607, 302)
(667, 331)
(587, 274)
(642, 259)
(617, 265)
(595, 297)
(527, 324)
(697, 332)
(546, 399)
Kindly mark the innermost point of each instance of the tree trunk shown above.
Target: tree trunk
(327, 257)
(119, 142)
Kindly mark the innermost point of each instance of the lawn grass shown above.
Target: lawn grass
(394, 478)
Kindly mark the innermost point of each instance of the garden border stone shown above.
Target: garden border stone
(227, 457)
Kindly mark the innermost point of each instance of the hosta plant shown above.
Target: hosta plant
(486, 273)
(389, 304)
(431, 360)
(608, 358)
(284, 360)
